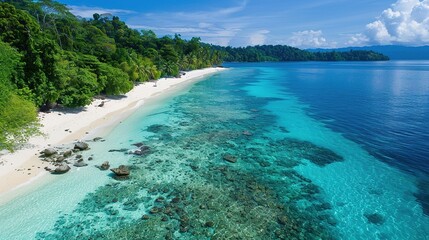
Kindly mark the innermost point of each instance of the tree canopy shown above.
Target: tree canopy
(18, 116)
(49, 56)
(67, 60)
(280, 53)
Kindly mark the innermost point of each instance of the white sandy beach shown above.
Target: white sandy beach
(61, 127)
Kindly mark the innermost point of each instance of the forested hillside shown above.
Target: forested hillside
(281, 53)
(395, 52)
(49, 56)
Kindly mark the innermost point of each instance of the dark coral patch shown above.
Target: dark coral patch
(157, 128)
(374, 218)
(318, 155)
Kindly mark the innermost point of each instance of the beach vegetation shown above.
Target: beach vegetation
(18, 115)
(50, 57)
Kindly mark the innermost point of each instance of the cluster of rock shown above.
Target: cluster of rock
(61, 160)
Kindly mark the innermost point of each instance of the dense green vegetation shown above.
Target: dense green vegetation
(48, 56)
(68, 60)
(18, 116)
(280, 53)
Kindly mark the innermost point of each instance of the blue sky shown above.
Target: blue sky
(303, 23)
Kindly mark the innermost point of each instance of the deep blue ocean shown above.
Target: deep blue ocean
(304, 150)
(383, 105)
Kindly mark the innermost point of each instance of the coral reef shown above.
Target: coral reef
(212, 172)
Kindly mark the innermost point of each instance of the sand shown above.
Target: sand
(23, 167)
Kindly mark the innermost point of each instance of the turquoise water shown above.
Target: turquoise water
(297, 175)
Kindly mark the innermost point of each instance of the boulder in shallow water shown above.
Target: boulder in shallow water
(67, 153)
(104, 166)
(60, 159)
(122, 170)
(60, 169)
(49, 152)
(80, 163)
(81, 146)
(143, 150)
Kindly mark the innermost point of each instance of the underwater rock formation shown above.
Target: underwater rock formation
(122, 170)
(318, 155)
(229, 158)
(374, 218)
(104, 166)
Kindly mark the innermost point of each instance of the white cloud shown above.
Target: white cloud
(231, 10)
(405, 22)
(357, 39)
(309, 39)
(205, 25)
(377, 31)
(88, 12)
(258, 37)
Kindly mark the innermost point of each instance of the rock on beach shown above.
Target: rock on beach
(81, 146)
(61, 169)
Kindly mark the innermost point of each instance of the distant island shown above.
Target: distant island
(50, 57)
(395, 52)
(281, 53)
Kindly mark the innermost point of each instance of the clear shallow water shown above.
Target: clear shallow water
(305, 166)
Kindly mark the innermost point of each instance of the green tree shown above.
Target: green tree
(99, 44)
(80, 84)
(21, 31)
(169, 61)
(116, 81)
(18, 116)
(18, 121)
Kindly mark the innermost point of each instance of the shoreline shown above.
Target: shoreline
(65, 126)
